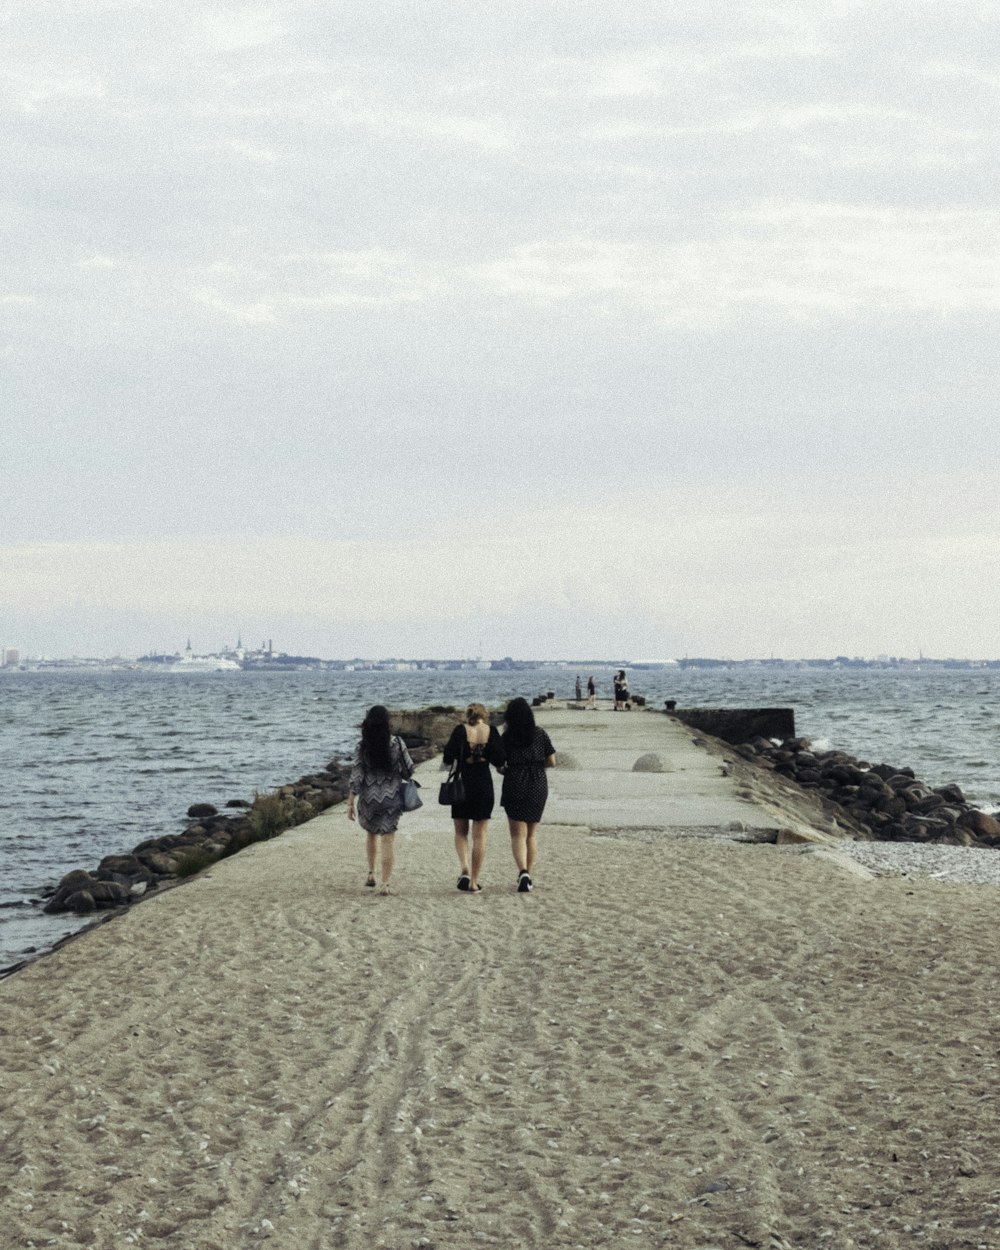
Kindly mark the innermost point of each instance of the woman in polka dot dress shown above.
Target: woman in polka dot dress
(525, 787)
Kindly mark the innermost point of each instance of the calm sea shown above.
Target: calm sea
(92, 763)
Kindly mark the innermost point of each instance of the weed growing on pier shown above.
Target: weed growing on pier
(194, 860)
(270, 815)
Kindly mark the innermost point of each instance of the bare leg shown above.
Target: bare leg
(388, 844)
(531, 847)
(462, 845)
(518, 843)
(372, 847)
(479, 828)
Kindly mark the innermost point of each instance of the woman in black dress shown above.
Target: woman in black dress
(475, 745)
(621, 691)
(525, 787)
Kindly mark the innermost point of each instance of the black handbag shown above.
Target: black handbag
(452, 788)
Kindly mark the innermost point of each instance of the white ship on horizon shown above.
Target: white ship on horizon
(191, 663)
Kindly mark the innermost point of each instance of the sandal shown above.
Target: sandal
(523, 882)
(384, 890)
(371, 881)
(463, 881)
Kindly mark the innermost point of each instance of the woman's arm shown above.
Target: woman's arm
(405, 760)
(495, 750)
(453, 747)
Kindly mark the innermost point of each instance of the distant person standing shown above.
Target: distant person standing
(592, 693)
(579, 688)
(621, 691)
(381, 761)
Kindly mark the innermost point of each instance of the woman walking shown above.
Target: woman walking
(473, 746)
(525, 787)
(381, 761)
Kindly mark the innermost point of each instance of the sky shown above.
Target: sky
(553, 329)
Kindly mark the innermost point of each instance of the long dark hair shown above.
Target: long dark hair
(519, 720)
(375, 738)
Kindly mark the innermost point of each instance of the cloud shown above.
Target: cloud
(235, 29)
(33, 93)
(759, 574)
(256, 313)
(632, 279)
(800, 258)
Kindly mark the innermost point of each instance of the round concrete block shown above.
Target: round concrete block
(651, 763)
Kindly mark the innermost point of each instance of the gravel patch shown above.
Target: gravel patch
(956, 865)
(953, 865)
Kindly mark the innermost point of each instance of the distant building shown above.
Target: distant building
(11, 658)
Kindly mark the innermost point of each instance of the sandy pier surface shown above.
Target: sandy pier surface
(676, 1040)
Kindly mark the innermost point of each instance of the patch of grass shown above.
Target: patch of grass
(269, 816)
(272, 814)
(194, 861)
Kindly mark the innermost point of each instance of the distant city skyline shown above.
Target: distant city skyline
(268, 657)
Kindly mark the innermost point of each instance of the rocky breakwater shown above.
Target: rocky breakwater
(122, 879)
(891, 803)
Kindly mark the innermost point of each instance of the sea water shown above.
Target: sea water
(92, 763)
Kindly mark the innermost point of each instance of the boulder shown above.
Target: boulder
(81, 902)
(982, 824)
(159, 863)
(324, 799)
(885, 771)
(76, 880)
(109, 893)
(197, 810)
(123, 866)
(71, 886)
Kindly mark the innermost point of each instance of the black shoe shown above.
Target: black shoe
(523, 882)
(464, 881)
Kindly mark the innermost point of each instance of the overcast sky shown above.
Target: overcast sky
(561, 328)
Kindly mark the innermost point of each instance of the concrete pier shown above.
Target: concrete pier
(677, 1040)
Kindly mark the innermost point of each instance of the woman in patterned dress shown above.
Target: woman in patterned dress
(381, 761)
(525, 787)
